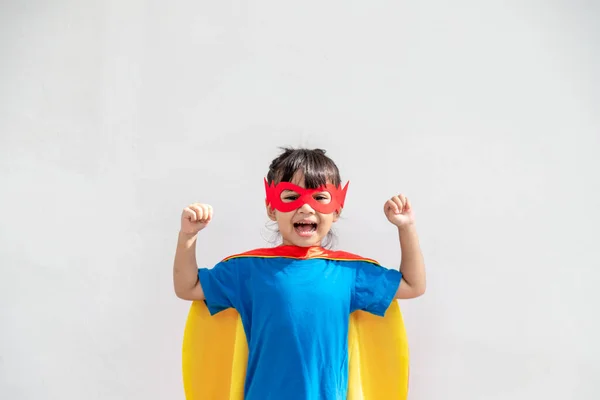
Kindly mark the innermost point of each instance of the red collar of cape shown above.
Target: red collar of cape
(301, 253)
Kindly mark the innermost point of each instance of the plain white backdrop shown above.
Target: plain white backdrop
(115, 115)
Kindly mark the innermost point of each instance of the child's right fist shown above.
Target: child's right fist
(195, 217)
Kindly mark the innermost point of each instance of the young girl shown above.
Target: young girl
(295, 300)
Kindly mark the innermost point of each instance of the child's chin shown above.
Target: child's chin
(306, 242)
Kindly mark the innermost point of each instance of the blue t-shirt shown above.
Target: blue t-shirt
(295, 314)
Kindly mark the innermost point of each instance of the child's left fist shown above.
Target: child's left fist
(398, 211)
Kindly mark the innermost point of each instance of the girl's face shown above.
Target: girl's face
(305, 226)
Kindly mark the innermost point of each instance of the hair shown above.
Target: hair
(317, 168)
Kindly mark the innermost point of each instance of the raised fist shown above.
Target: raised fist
(195, 217)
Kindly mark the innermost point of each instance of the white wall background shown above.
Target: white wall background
(115, 115)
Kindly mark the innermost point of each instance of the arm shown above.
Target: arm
(412, 266)
(185, 270)
(194, 218)
(399, 212)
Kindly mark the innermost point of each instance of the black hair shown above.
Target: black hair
(317, 168)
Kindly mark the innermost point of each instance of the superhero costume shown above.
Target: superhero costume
(296, 323)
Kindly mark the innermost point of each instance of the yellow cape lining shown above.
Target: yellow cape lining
(215, 353)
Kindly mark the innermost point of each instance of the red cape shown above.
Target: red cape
(302, 253)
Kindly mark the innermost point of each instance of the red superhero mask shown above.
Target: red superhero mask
(338, 195)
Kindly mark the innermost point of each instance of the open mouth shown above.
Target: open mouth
(305, 228)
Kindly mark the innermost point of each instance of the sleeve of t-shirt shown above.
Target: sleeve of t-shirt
(374, 288)
(220, 286)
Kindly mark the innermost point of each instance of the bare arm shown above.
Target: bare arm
(185, 269)
(412, 266)
(194, 218)
(398, 211)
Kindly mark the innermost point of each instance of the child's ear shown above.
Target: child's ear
(270, 212)
(336, 215)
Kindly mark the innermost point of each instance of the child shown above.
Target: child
(295, 300)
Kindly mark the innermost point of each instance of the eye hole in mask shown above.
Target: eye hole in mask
(322, 196)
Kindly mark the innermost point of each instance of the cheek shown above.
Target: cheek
(285, 218)
(326, 221)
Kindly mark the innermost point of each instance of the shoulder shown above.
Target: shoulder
(255, 253)
(339, 255)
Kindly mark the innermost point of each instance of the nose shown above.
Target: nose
(306, 209)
